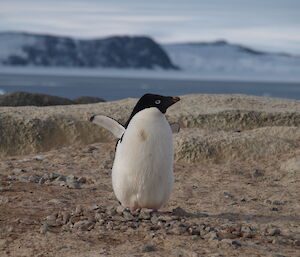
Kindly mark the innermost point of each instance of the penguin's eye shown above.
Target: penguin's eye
(157, 101)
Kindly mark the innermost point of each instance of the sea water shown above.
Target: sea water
(111, 88)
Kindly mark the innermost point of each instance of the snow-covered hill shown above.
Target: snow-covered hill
(222, 58)
(23, 49)
(124, 54)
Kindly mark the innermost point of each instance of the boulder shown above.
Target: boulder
(32, 99)
(29, 99)
(214, 127)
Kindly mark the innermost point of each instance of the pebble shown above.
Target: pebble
(228, 195)
(127, 215)
(247, 231)
(111, 211)
(194, 230)
(272, 231)
(280, 241)
(53, 176)
(71, 182)
(44, 228)
(23, 179)
(52, 220)
(258, 173)
(41, 181)
(65, 217)
(211, 236)
(149, 248)
(56, 201)
(296, 243)
(107, 165)
(120, 209)
(154, 219)
(78, 210)
(84, 225)
(120, 219)
(81, 180)
(145, 214)
(34, 178)
(178, 230)
(231, 242)
(275, 202)
(95, 207)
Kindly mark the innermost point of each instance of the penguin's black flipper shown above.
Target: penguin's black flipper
(175, 127)
(110, 124)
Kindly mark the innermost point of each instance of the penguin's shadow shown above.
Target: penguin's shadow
(236, 216)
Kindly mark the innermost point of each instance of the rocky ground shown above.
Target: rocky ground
(236, 191)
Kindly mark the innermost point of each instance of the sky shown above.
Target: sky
(269, 25)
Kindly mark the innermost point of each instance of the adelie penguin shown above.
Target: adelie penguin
(142, 173)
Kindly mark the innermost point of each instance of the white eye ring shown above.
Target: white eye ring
(157, 101)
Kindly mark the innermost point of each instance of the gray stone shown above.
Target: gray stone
(211, 236)
(72, 182)
(247, 231)
(296, 243)
(44, 228)
(53, 176)
(229, 196)
(111, 211)
(52, 220)
(61, 178)
(110, 225)
(145, 214)
(65, 217)
(120, 209)
(56, 201)
(194, 230)
(149, 248)
(23, 179)
(107, 165)
(276, 202)
(41, 181)
(258, 173)
(128, 216)
(81, 180)
(84, 225)
(272, 231)
(78, 210)
(231, 242)
(95, 207)
(154, 219)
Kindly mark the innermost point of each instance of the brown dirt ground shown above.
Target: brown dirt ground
(199, 189)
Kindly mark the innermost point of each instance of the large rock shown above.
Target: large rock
(215, 127)
(32, 99)
(192, 145)
(88, 100)
(29, 99)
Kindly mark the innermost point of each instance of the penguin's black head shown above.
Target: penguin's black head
(162, 103)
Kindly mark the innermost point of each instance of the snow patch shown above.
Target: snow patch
(229, 59)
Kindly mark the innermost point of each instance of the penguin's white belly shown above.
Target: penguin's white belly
(142, 173)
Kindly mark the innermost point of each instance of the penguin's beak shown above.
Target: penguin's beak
(172, 100)
(175, 99)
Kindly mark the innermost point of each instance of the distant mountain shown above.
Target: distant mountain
(218, 59)
(24, 49)
(221, 57)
